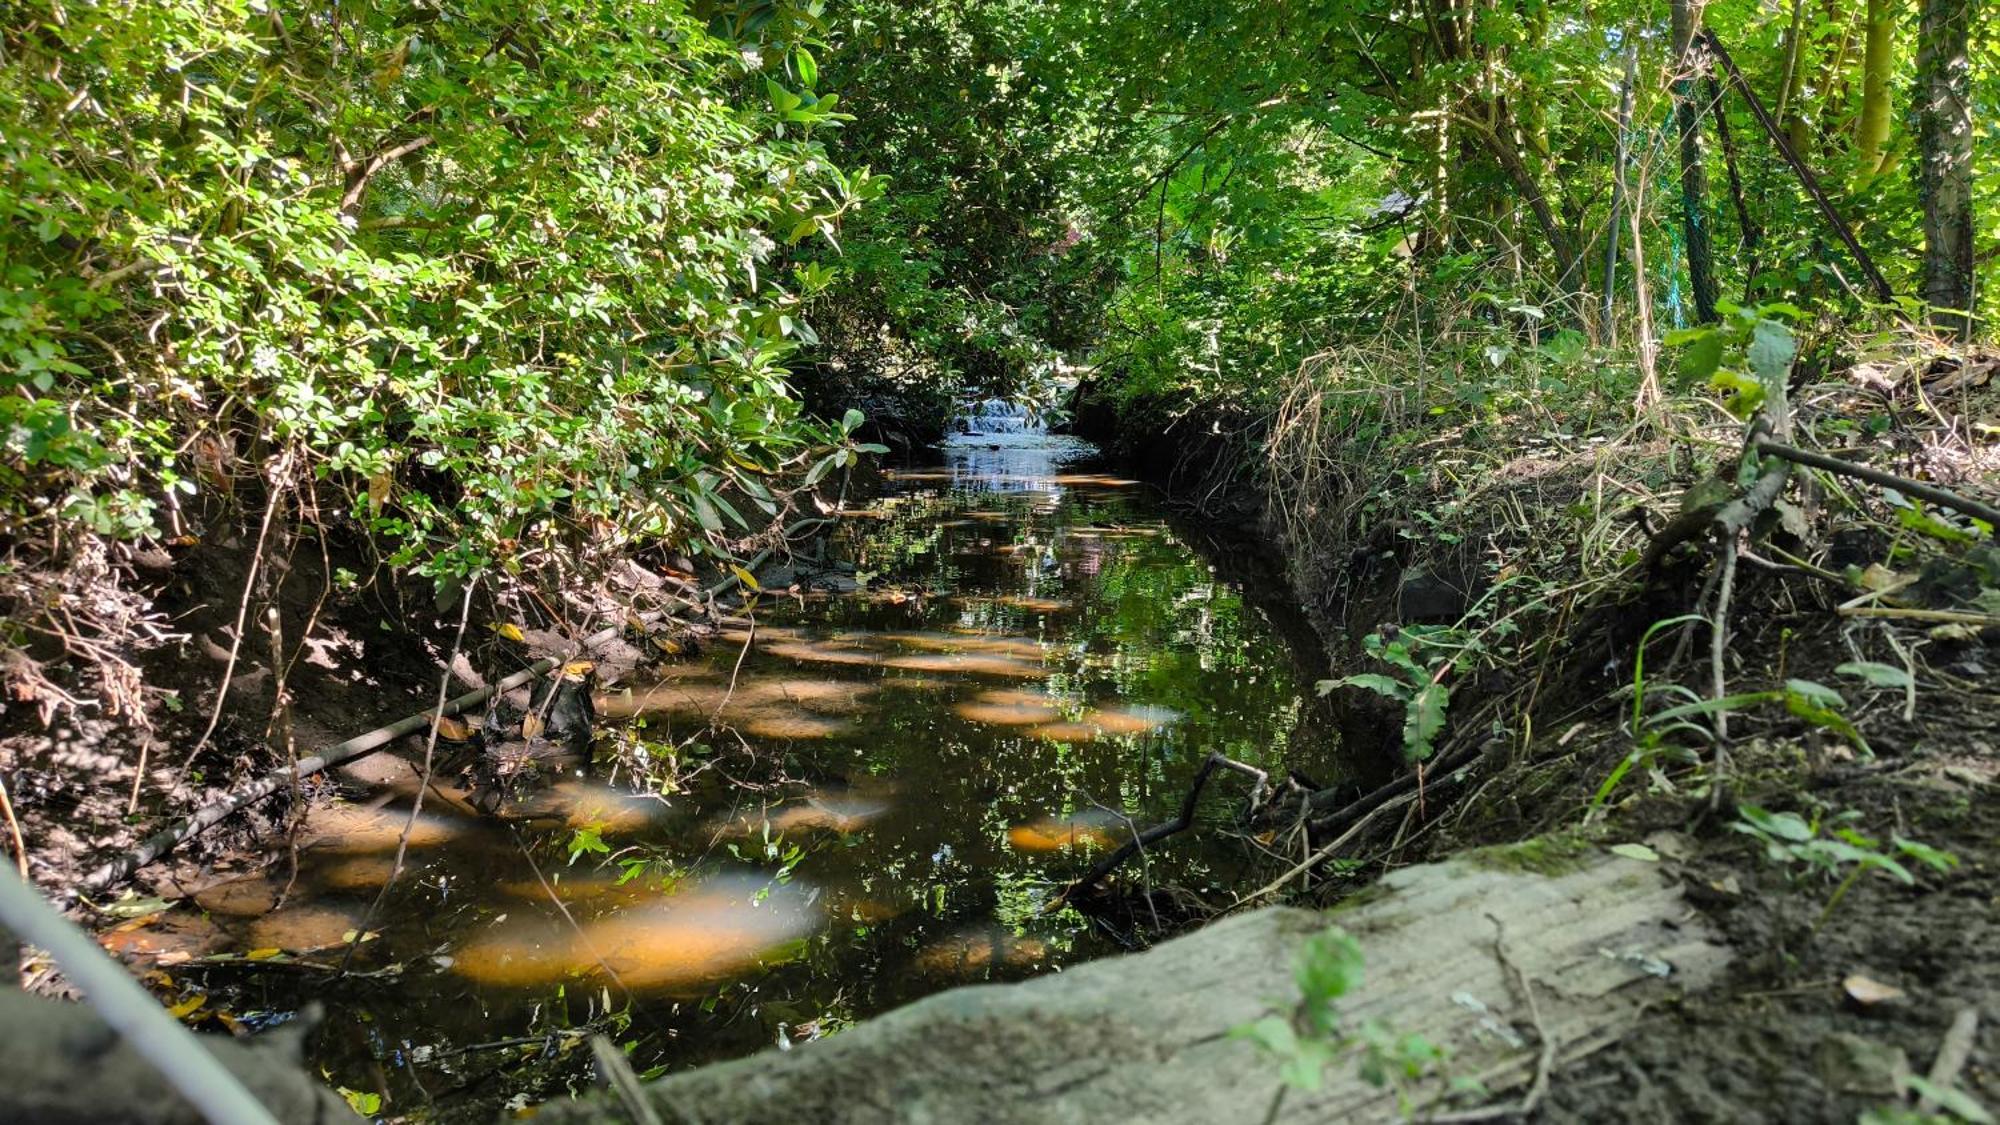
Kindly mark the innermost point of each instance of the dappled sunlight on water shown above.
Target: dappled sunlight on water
(1089, 829)
(351, 828)
(975, 951)
(1065, 732)
(838, 807)
(304, 927)
(787, 728)
(1012, 712)
(699, 935)
(969, 664)
(580, 804)
(815, 812)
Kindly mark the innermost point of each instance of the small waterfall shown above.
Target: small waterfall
(1004, 447)
(998, 416)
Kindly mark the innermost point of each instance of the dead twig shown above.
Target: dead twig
(280, 475)
(1326, 852)
(1718, 651)
(616, 1071)
(1944, 498)
(1180, 823)
(1952, 1054)
(14, 830)
(417, 800)
(1941, 616)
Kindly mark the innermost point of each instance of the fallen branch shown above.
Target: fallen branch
(1326, 853)
(145, 1026)
(215, 812)
(1935, 616)
(1347, 815)
(1943, 498)
(165, 841)
(1158, 832)
(1732, 519)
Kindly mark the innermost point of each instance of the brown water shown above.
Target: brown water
(877, 804)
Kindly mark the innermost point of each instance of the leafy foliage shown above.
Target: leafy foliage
(1420, 687)
(1310, 1038)
(1791, 839)
(477, 273)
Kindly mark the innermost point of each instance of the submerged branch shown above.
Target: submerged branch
(1182, 822)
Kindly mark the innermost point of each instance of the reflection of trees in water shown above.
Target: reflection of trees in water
(1018, 461)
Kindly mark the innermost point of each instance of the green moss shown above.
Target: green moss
(1543, 855)
(1373, 892)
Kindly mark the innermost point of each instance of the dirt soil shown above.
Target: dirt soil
(372, 653)
(1795, 1032)
(1817, 1021)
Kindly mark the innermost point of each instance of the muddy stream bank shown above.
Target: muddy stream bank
(1007, 660)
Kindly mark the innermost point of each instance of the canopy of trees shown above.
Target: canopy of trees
(483, 276)
(1209, 192)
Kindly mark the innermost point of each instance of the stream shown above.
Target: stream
(874, 802)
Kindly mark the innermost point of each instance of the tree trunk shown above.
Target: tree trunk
(1878, 61)
(1694, 176)
(1793, 82)
(1499, 141)
(1834, 89)
(1746, 224)
(1618, 185)
(1944, 136)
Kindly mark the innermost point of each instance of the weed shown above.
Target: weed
(1820, 706)
(1420, 687)
(1954, 1105)
(1308, 1037)
(1789, 838)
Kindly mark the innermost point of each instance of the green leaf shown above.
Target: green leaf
(1329, 966)
(1784, 825)
(705, 513)
(1817, 693)
(1702, 356)
(819, 470)
(1272, 1033)
(1710, 706)
(1636, 851)
(1950, 1099)
(1934, 858)
(1423, 719)
(1918, 520)
(808, 70)
(782, 100)
(1771, 352)
(1306, 1069)
(1877, 675)
(1373, 681)
(851, 420)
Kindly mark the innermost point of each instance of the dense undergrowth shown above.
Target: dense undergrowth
(1485, 313)
(497, 289)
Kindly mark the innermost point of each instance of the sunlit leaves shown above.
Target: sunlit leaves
(491, 281)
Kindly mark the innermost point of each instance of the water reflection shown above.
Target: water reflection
(693, 935)
(1092, 828)
(857, 801)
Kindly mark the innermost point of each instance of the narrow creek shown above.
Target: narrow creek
(872, 803)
